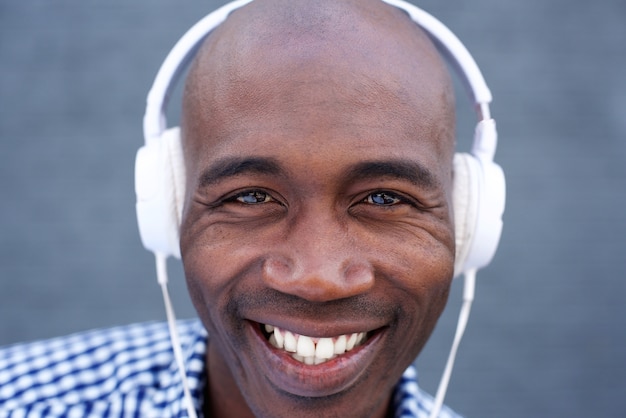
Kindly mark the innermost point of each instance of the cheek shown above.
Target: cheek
(419, 273)
(205, 251)
(209, 271)
(213, 276)
(419, 260)
(204, 258)
(428, 276)
(218, 264)
(422, 298)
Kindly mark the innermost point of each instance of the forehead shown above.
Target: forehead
(356, 82)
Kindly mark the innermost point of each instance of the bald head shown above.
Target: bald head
(318, 138)
(279, 55)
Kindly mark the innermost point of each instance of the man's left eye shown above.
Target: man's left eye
(383, 199)
(253, 197)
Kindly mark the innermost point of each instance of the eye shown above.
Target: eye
(383, 199)
(252, 197)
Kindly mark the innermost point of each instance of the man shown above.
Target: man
(317, 236)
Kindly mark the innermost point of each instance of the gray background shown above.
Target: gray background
(548, 330)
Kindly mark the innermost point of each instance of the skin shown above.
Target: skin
(318, 141)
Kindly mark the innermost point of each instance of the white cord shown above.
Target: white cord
(469, 286)
(161, 268)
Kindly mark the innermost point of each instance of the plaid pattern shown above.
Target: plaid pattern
(411, 402)
(127, 372)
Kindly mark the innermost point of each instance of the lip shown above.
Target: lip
(329, 378)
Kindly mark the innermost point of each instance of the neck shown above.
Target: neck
(222, 396)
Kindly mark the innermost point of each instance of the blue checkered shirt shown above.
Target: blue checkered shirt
(128, 372)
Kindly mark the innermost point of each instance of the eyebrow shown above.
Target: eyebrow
(234, 166)
(407, 170)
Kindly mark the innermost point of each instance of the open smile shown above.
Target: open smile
(312, 350)
(315, 366)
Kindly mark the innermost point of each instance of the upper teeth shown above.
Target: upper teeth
(311, 350)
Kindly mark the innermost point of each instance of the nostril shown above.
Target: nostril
(317, 277)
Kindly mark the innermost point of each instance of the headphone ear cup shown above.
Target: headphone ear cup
(478, 199)
(465, 205)
(160, 189)
(176, 161)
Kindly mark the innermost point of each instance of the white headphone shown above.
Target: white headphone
(478, 193)
(479, 187)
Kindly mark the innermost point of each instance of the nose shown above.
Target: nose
(319, 262)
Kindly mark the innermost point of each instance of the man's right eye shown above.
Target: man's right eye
(252, 197)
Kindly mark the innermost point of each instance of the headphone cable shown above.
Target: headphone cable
(469, 287)
(161, 268)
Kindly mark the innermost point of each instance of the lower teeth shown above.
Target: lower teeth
(310, 360)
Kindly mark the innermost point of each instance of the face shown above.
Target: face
(317, 239)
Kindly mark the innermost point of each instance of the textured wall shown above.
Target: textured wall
(548, 328)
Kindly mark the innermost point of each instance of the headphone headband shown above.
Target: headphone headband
(155, 122)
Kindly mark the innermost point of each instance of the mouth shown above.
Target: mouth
(312, 350)
(324, 363)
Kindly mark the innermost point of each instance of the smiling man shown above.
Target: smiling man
(317, 236)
